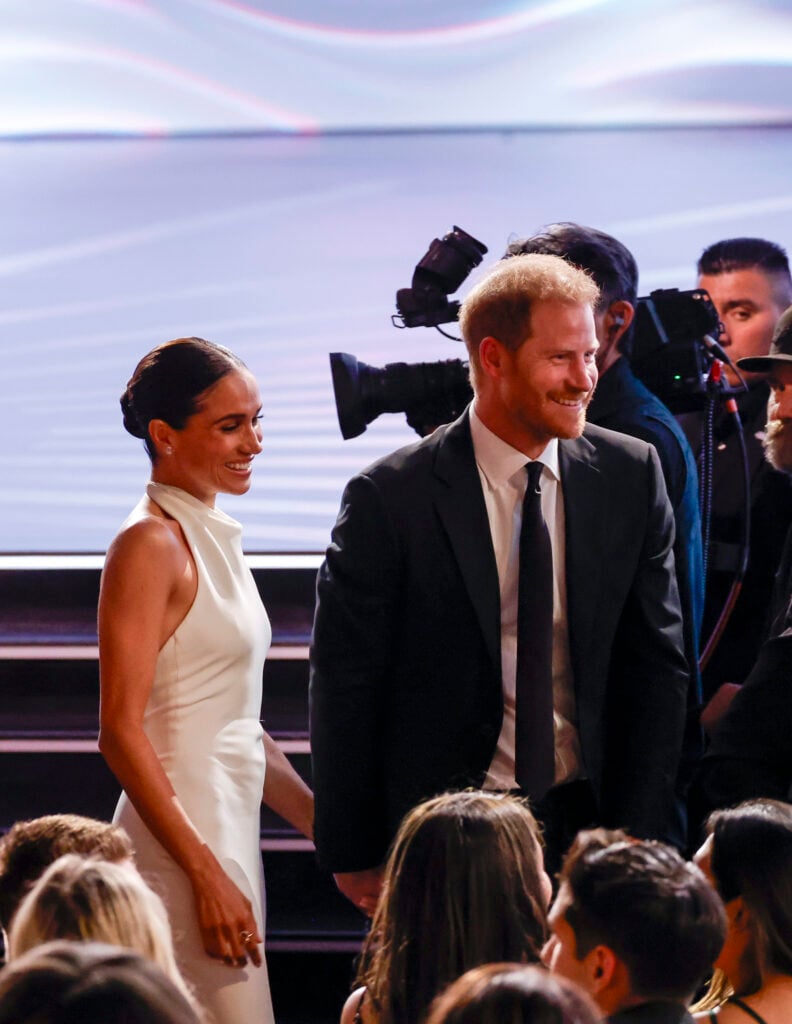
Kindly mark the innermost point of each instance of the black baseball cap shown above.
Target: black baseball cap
(780, 348)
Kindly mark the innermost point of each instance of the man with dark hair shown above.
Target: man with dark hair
(621, 402)
(498, 605)
(634, 925)
(748, 280)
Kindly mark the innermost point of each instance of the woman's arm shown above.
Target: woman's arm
(147, 586)
(284, 790)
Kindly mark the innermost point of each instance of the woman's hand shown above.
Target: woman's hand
(226, 920)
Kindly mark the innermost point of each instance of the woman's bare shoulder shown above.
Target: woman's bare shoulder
(357, 1008)
(148, 533)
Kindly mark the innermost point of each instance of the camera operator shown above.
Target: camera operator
(621, 402)
(749, 282)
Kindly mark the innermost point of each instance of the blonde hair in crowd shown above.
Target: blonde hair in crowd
(86, 899)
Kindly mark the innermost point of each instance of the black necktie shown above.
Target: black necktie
(534, 758)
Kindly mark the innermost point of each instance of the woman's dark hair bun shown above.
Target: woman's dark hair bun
(131, 422)
(168, 382)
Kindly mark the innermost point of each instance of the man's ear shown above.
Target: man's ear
(620, 314)
(491, 356)
(601, 966)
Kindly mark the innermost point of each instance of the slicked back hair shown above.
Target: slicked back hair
(654, 910)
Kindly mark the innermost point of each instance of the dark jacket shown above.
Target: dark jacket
(621, 402)
(751, 753)
(406, 696)
(656, 1012)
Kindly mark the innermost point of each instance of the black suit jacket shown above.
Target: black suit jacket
(406, 697)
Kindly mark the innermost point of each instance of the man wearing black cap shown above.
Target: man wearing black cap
(751, 752)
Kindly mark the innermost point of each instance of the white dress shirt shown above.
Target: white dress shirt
(504, 479)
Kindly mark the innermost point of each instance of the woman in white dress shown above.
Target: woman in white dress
(182, 641)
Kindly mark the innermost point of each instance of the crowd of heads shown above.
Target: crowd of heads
(462, 932)
(86, 938)
(632, 921)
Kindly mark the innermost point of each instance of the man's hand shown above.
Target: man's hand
(718, 706)
(361, 887)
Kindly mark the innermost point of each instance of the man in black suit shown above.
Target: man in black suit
(636, 926)
(415, 653)
(621, 402)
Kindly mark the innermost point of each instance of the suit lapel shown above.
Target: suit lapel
(585, 500)
(460, 505)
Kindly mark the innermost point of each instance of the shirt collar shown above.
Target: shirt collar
(498, 460)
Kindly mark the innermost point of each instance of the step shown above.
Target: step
(57, 606)
(59, 698)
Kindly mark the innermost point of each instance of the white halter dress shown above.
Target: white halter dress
(203, 719)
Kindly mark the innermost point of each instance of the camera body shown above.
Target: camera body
(674, 344)
(447, 263)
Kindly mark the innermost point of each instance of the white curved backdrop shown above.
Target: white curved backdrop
(290, 244)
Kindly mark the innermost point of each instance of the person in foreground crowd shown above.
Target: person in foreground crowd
(436, 663)
(31, 846)
(94, 900)
(636, 926)
(182, 641)
(622, 403)
(89, 983)
(465, 884)
(748, 858)
(512, 994)
(750, 754)
(749, 282)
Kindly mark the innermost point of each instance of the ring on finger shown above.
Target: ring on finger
(246, 937)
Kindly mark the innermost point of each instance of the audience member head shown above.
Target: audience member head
(31, 846)
(748, 857)
(748, 280)
(464, 885)
(89, 983)
(508, 993)
(633, 922)
(610, 264)
(84, 899)
(168, 382)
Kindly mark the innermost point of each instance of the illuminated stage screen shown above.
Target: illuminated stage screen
(267, 176)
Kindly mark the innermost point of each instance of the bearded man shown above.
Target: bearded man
(498, 605)
(751, 754)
